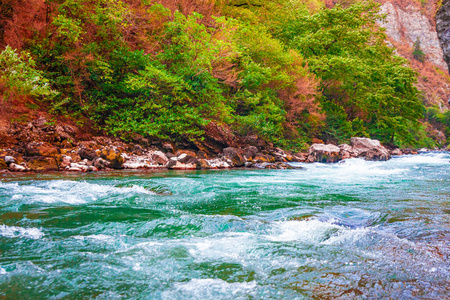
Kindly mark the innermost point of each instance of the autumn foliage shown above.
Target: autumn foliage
(165, 69)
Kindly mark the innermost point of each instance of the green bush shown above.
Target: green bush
(20, 74)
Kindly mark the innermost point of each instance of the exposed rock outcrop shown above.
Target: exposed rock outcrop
(443, 29)
(234, 156)
(324, 153)
(408, 25)
(359, 147)
(369, 149)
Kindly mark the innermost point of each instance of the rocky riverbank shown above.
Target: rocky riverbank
(41, 146)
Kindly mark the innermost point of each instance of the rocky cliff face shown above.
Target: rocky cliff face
(443, 28)
(406, 25)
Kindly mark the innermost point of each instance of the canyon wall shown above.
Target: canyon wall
(443, 28)
(406, 25)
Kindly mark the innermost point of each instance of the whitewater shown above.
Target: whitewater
(351, 230)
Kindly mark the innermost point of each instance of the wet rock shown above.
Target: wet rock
(91, 169)
(234, 156)
(40, 149)
(280, 156)
(396, 152)
(346, 151)
(324, 153)
(136, 163)
(84, 162)
(175, 164)
(188, 160)
(141, 162)
(369, 149)
(274, 166)
(263, 165)
(300, 157)
(261, 158)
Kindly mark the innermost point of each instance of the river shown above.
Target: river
(356, 229)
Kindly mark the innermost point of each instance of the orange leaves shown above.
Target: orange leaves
(21, 19)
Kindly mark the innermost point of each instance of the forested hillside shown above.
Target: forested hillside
(285, 71)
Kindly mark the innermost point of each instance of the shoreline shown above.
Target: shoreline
(40, 147)
(164, 170)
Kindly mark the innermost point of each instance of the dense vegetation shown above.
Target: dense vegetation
(287, 71)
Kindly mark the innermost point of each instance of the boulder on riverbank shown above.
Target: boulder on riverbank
(369, 149)
(359, 147)
(324, 153)
(40, 146)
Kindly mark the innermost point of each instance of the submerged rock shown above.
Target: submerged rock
(324, 153)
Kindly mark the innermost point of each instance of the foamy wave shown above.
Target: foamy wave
(347, 236)
(201, 288)
(312, 231)
(70, 192)
(13, 232)
(230, 245)
(99, 237)
(429, 158)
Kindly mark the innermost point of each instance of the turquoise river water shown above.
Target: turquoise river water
(351, 230)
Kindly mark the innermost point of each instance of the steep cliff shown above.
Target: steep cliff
(406, 23)
(406, 26)
(443, 28)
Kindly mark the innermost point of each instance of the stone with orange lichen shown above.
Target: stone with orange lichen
(41, 149)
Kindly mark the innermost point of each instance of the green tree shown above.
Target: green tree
(20, 74)
(360, 75)
(418, 54)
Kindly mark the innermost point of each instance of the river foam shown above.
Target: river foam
(19, 232)
(337, 231)
(65, 191)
